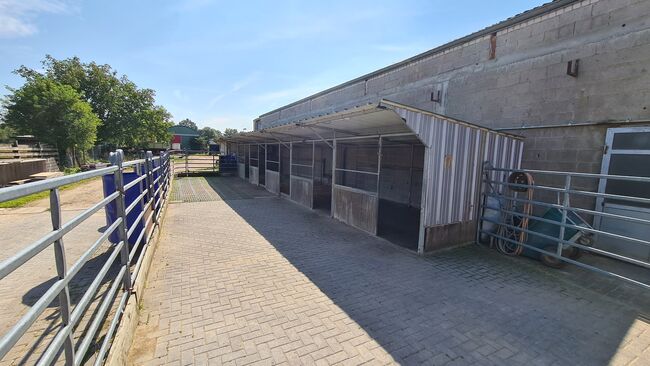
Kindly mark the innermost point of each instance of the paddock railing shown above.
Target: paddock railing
(187, 162)
(129, 245)
(560, 214)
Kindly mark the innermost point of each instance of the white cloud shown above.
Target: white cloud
(236, 86)
(17, 16)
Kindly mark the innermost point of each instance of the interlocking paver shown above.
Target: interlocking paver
(245, 278)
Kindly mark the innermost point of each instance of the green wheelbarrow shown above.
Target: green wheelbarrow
(571, 235)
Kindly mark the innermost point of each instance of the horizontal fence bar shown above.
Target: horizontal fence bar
(571, 261)
(134, 182)
(131, 163)
(134, 224)
(575, 209)
(573, 174)
(99, 315)
(135, 202)
(356, 171)
(558, 240)
(80, 309)
(577, 227)
(111, 330)
(20, 258)
(572, 191)
(13, 192)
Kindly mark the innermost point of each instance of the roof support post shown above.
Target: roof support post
(424, 200)
(333, 204)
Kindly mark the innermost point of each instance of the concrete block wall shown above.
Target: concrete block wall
(526, 84)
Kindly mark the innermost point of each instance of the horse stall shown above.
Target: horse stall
(408, 175)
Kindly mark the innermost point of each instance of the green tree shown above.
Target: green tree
(129, 115)
(54, 113)
(6, 133)
(188, 123)
(229, 132)
(206, 134)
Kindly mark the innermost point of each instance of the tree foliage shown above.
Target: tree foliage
(229, 132)
(206, 134)
(188, 123)
(53, 112)
(129, 115)
(6, 132)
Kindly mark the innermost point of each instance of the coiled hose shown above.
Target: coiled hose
(524, 182)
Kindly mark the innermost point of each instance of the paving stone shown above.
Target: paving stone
(247, 278)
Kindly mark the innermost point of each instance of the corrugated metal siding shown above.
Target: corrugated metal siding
(241, 170)
(253, 175)
(454, 155)
(302, 191)
(272, 181)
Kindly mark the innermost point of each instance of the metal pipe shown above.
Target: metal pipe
(579, 264)
(583, 193)
(575, 174)
(61, 269)
(11, 264)
(13, 192)
(575, 209)
(591, 249)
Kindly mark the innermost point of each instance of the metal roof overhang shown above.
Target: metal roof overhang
(363, 121)
(373, 119)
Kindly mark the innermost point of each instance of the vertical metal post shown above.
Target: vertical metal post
(61, 270)
(117, 158)
(148, 163)
(332, 205)
(313, 161)
(410, 176)
(187, 157)
(139, 171)
(482, 200)
(565, 205)
(162, 174)
(379, 150)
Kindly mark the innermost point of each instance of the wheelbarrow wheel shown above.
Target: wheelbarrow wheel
(551, 261)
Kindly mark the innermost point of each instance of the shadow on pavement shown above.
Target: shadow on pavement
(469, 304)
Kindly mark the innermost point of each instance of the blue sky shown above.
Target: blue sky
(223, 63)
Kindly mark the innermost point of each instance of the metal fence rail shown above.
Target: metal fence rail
(154, 181)
(507, 226)
(188, 162)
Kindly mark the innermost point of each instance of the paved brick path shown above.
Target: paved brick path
(251, 279)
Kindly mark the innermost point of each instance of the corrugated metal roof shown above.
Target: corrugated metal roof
(521, 17)
(371, 119)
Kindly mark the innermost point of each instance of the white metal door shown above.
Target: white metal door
(627, 153)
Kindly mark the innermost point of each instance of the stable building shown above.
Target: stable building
(399, 172)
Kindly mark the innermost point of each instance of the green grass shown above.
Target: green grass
(22, 201)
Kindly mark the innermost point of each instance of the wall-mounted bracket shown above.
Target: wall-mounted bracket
(436, 96)
(572, 67)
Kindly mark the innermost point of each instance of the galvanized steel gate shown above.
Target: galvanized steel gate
(154, 182)
(501, 216)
